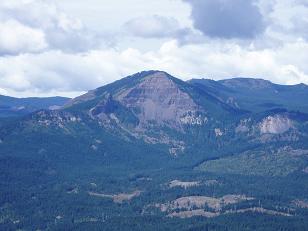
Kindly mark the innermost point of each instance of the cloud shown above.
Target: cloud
(288, 19)
(227, 19)
(160, 27)
(46, 52)
(57, 72)
(154, 26)
(16, 37)
(49, 27)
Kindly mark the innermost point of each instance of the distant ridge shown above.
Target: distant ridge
(11, 106)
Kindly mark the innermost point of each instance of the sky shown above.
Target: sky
(67, 47)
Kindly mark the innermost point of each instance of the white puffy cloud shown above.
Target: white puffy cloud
(16, 37)
(287, 19)
(42, 21)
(63, 73)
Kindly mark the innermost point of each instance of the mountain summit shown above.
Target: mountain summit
(158, 98)
(153, 97)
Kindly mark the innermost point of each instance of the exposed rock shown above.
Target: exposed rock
(54, 107)
(293, 152)
(19, 108)
(193, 213)
(94, 147)
(211, 182)
(249, 83)
(117, 198)
(16, 221)
(59, 217)
(56, 118)
(218, 132)
(175, 150)
(86, 220)
(73, 190)
(201, 212)
(243, 126)
(192, 119)
(144, 179)
(93, 185)
(183, 184)
(260, 210)
(275, 125)
(301, 203)
(232, 102)
(98, 141)
(157, 98)
(200, 202)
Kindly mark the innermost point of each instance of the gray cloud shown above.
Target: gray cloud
(227, 19)
(160, 27)
(16, 37)
(156, 26)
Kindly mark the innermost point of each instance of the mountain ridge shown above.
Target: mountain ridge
(157, 108)
(11, 106)
(214, 89)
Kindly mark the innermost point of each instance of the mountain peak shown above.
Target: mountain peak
(249, 83)
(143, 74)
(157, 75)
(157, 98)
(146, 74)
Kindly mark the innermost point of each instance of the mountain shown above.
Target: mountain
(256, 94)
(153, 152)
(152, 106)
(10, 106)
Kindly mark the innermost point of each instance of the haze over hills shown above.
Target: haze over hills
(151, 147)
(10, 106)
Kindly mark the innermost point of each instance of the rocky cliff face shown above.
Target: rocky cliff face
(144, 109)
(159, 99)
(275, 125)
(155, 100)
